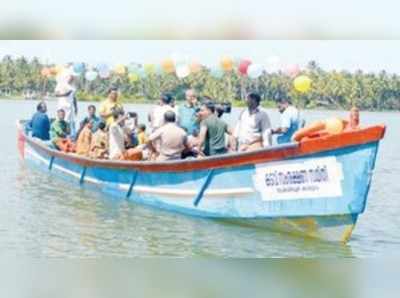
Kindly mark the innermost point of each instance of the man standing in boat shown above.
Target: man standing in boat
(254, 126)
(290, 121)
(110, 106)
(187, 113)
(65, 93)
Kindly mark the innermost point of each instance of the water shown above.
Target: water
(43, 216)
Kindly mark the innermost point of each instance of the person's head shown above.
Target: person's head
(219, 110)
(60, 114)
(41, 107)
(113, 94)
(253, 100)
(89, 124)
(207, 108)
(169, 117)
(283, 103)
(191, 97)
(91, 110)
(195, 133)
(142, 127)
(166, 99)
(117, 115)
(354, 117)
(101, 125)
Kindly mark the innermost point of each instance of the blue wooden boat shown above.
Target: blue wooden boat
(316, 188)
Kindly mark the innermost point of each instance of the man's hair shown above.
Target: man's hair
(254, 96)
(112, 89)
(40, 106)
(167, 98)
(116, 113)
(282, 97)
(92, 107)
(132, 114)
(169, 116)
(210, 105)
(101, 125)
(142, 127)
(60, 110)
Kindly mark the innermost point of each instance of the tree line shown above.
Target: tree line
(330, 89)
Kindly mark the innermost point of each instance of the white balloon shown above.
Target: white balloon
(91, 75)
(273, 64)
(182, 71)
(104, 73)
(255, 70)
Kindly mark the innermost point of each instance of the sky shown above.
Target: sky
(370, 56)
(260, 18)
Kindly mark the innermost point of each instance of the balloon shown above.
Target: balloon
(133, 67)
(120, 69)
(133, 77)
(195, 67)
(273, 64)
(182, 71)
(292, 70)
(243, 66)
(302, 84)
(168, 65)
(78, 68)
(216, 72)
(102, 67)
(59, 69)
(91, 75)
(255, 70)
(45, 72)
(226, 63)
(334, 126)
(104, 73)
(149, 68)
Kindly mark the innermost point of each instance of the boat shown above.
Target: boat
(315, 188)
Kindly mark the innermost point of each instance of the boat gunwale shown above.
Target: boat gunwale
(275, 153)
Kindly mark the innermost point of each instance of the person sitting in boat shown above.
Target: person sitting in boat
(60, 133)
(39, 125)
(171, 137)
(254, 126)
(85, 138)
(67, 101)
(156, 116)
(141, 134)
(131, 125)
(290, 120)
(117, 138)
(212, 130)
(99, 143)
(187, 113)
(91, 117)
(110, 105)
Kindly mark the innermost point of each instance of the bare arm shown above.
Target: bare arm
(202, 136)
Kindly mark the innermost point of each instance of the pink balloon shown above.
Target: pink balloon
(292, 70)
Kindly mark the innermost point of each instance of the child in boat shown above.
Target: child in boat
(141, 135)
(60, 131)
(85, 139)
(99, 143)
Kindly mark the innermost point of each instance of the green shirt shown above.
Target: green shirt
(215, 137)
(59, 129)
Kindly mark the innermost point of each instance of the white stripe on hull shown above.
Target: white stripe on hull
(189, 193)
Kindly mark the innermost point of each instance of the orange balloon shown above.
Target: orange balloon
(195, 67)
(168, 65)
(227, 63)
(45, 72)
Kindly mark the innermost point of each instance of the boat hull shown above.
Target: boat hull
(317, 195)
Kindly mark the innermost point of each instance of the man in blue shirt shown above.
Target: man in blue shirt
(40, 123)
(290, 121)
(187, 113)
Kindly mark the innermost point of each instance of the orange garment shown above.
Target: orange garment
(133, 154)
(84, 141)
(99, 145)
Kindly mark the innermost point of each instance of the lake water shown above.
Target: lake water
(44, 216)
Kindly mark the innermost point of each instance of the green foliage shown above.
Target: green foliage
(330, 89)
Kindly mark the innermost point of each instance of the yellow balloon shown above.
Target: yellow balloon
(149, 68)
(59, 69)
(133, 77)
(302, 84)
(334, 126)
(227, 63)
(168, 65)
(120, 69)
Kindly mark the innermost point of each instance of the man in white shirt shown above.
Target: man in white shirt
(253, 128)
(156, 117)
(65, 93)
(116, 137)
